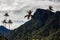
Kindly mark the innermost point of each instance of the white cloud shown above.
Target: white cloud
(17, 9)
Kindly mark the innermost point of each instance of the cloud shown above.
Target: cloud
(20, 4)
(17, 9)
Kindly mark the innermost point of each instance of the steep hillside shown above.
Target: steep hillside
(4, 31)
(43, 24)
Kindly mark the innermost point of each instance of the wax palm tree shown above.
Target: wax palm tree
(6, 15)
(29, 14)
(4, 22)
(50, 8)
(10, 22)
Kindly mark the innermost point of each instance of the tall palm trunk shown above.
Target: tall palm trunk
(6, 18)
(9, 26)
(5, 24)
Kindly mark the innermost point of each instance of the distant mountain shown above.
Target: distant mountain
(4, 31)
(44, 25)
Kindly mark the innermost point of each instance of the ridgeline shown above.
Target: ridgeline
(44, 25)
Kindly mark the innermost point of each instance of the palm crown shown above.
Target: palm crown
(29, 14)
(6, 14)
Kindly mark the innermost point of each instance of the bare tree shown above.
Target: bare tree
(29, 14)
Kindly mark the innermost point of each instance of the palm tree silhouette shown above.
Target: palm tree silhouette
(10, 22)
(6, 15)
(4, 22)
(29, 14)
(50, 8)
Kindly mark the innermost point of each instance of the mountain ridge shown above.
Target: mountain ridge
(4, 31)
(43, 23)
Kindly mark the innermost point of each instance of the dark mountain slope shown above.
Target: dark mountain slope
(4, 31)
(42, 24)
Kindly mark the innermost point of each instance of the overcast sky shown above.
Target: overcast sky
(17, 9)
